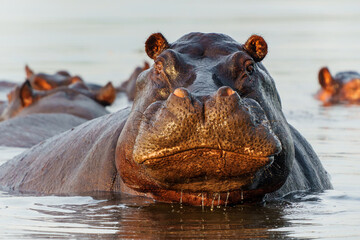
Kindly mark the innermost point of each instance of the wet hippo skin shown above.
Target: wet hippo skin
(343, 88)
(206, 124)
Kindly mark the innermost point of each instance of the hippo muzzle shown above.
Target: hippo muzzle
(210, 143)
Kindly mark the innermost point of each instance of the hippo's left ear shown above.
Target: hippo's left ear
(256, 47)
(26, 94)
(155, 44)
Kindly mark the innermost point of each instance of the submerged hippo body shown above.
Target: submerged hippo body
(206, 123)
(344, 87)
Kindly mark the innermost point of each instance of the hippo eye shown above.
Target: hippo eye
(250, 68)
(159, 67)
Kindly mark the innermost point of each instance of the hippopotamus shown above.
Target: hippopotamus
(344, 87)
(44, 81)
(33, 116)
(103, 95)
(41, 81)
(206, 125)
(24, 100)
(29, 130)
(5, 87)
(129, 86)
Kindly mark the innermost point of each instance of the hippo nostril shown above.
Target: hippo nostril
(181, 93)
(225, 91)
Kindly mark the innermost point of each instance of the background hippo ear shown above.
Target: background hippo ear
(106, 95)
(256, 47)
(28, 71)
(26, 94)
(76, 79)
(155, 44)
(325, 78)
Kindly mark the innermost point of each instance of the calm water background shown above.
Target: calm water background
(103, 40)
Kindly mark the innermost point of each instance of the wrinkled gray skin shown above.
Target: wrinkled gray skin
(117, 152)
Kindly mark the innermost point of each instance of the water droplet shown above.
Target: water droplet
(227, 198)
(181, 198)
(218, 205)
(212, 203)
(202, 201)
(242, 196)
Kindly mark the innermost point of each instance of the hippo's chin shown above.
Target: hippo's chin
(208, 198)
(206, 170)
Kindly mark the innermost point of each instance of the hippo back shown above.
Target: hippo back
(26, 131)
(80, 160)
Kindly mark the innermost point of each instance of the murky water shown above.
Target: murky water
(104, 41)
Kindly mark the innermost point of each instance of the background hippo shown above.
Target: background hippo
(206, 124)
(5, 88)
(24, 100)
(344, 87)
(129, 86)
(44, 81)
(32, 116)
(105, 95)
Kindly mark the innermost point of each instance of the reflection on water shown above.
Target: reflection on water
(129, 217)
(104, 42)
(120, 217)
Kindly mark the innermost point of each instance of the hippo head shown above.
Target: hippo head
(344, 87)
(43, 81)
(206, 123)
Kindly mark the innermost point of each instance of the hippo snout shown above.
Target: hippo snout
(221, 121)
(219, 136)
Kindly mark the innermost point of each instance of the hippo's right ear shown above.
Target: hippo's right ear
(256, 47)
(26, 94)
(155, 44)
(325, 78)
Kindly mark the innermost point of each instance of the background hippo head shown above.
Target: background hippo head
(206, 123)
(24, 100)
(129, 86)
(18, 99)
(43, 81)
(344, 87)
